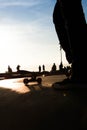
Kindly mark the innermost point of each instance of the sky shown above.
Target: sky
(27, 35)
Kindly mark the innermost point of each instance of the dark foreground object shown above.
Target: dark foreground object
(32, 79)
(69, 84)
(71, 28)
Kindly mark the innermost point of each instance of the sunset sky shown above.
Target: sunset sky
(27, 35)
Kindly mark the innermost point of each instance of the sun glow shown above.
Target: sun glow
(13, 40)
(8, 41)
(6, 35)
(24, 44)
(14, 85)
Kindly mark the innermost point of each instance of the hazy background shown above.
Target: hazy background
(27, 34)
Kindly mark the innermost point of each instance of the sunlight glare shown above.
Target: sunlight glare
(14, 85)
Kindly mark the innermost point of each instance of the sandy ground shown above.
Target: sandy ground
(42, 107)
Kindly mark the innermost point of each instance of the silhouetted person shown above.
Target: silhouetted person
(60, 27)
(43, 67)
(54, 67)
(18, 68)
(61, 66)
(70, 25)
(9, 69)
(39, 68)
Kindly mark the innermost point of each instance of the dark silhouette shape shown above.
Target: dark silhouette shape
(71, 28)
(26, 81)
(39, 68)
(18, 68)
(60, 27)
(43, 67)
(61, 66)
(54, 67)
(9, 69)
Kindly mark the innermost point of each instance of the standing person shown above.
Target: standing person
(18, 68)
(43, 67)
(9, 69)
(39, 68)
(54, 67)
(70, 25)
(60, 27)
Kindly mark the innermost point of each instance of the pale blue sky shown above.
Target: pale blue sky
(27, 34)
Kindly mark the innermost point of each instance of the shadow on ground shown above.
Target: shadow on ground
(43, 109)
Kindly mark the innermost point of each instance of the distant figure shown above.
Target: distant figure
(71, 29)
(39, 68)
(9, 69)
(54, 68)
(18, 68)
(61, 66)
(43, 67)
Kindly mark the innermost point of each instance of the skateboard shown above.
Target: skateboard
(26, 81)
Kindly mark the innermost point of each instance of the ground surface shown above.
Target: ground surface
(41, 107)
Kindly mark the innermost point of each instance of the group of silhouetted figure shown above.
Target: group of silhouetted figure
(10, 69)
(41, 68)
